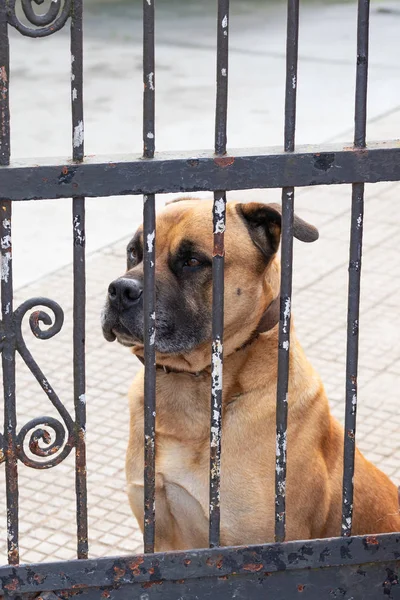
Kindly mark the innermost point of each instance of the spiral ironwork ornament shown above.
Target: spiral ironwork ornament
(44, 23)
(49, 440)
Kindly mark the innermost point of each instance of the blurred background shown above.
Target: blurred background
(185, 104)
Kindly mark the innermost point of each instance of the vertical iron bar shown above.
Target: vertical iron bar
(292, 42)
(8, 362)
(148, 79)
(4, 87)
(7, 333)
(149, 298)
(219, 216)
(149, 293)
(79, 306)
(356, 234)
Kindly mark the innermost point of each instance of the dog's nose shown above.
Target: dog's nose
(124, 292)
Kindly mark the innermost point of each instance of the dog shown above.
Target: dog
(183, 383)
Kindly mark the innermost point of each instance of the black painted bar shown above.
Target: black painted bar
(200, 171)
(207, 563)
(221, 109)
(4, 87)
(149, 293)
(219, 220)
(8, 364)
(8, 342)
(217, 353)
(79, 316)
(292, 41)
(356, 235)
(149, 302)
(79, 267)
(148, 79)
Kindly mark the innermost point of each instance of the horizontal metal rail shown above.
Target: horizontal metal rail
(197, 171)
(216, 562)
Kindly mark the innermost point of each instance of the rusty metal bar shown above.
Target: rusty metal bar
(356, 235)
(292, 42)
(8, 334)
(149, 293)
(79, 267)
(219, 218)
(8, 363)
(243, 169)
(4, 87)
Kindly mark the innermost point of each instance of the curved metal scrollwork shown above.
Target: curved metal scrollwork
(56, 444)
(46, 23)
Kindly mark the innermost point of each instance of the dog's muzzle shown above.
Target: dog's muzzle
(124, 296)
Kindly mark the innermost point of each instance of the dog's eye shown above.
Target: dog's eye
(132, 258)
(192, 263)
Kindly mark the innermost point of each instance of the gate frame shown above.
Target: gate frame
(345, 566)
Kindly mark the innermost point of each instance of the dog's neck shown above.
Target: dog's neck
(268, 321)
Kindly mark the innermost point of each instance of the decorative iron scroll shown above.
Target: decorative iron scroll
(56, 444)
(44, 23)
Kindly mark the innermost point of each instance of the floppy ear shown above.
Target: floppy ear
(264, 224)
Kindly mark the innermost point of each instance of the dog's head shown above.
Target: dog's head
(184, 252)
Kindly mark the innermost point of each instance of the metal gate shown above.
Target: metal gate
(343, 567)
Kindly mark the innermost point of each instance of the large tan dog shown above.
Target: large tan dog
(315, 439)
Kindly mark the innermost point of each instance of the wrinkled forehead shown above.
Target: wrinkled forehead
(185, 220)
(192, 220)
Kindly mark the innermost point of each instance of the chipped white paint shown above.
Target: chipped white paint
(7, 311)
(290, 194)
(216, 386)
(80, 237)
(46, 386)
(151, 263)
(294, 82)
(72, 76)
(286, 315)
(281, 444)
(6, 242)
(149, 2)
(5, 266)
(153, 316)
(150, 241)
(152, 338)
(223, 72)
(225, 22)
(220, 212)
(359, 221)
(285, 345)
(72, 59)
(149, 440)
(144, 597)
(78, 135)
(216, 362)
(150, 135)
(74, 94)
(154, 413)
(215, 437)
(150, 79)
(82, 398)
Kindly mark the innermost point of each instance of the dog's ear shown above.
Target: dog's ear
(264, 224)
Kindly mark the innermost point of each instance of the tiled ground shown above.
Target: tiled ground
(320, 283)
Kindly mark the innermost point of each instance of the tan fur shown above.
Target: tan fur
(315, 439)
